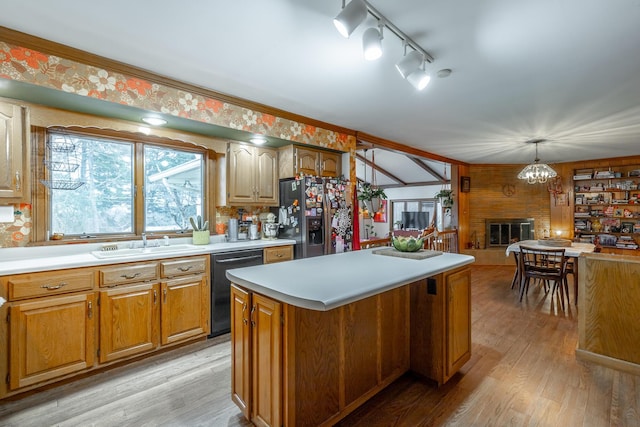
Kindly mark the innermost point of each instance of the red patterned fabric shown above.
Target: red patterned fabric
(355, 244)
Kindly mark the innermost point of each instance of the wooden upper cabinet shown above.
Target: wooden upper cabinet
(294, 160)
(252, 175)
(267, 176)
(14, 151)
(329, 164)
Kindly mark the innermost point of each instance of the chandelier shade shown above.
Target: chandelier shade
(536, 172)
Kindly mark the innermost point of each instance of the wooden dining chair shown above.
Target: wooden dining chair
(546, 265)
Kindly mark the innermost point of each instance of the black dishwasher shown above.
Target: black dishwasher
(221, 286)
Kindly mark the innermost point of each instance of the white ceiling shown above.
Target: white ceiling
(564, 70)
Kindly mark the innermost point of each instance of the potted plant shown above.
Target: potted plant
(201, 232)
(370, 197)
(446, 199)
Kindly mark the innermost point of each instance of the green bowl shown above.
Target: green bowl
(407, 244)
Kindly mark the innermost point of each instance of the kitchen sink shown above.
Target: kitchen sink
(118, 253)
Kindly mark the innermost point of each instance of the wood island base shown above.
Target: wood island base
(294, 366)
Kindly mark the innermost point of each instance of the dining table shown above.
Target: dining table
(572, 251)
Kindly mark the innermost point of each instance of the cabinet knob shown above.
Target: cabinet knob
(90, 309)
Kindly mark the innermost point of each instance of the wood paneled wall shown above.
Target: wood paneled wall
(487, 199)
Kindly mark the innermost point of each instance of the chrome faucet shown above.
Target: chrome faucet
(144, 240)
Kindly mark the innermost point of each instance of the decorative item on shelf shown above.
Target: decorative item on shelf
(537, 172)
(201, 233)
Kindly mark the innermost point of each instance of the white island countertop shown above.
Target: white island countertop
(330, 281)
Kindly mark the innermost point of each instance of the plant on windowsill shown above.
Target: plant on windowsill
(370, 196)
(201, 232)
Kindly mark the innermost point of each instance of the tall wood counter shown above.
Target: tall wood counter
(609, 311)
(313, 339)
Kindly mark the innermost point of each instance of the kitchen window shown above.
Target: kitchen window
(124, 187)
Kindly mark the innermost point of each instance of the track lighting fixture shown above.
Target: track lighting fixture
(350, 17)
(372, 43)
(409, 63)
(412, 64)
(419, 79)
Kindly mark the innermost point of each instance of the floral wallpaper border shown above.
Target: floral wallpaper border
(18, 232)
(34, 67)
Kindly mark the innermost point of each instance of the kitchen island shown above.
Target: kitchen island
(313, 339)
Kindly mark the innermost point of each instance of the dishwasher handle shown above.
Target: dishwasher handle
(237, 259)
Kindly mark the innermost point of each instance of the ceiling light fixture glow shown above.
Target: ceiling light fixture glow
(154, 121)
(350, 17)
(372, 43)
(536, 172)
(419, 79)
(258, 140)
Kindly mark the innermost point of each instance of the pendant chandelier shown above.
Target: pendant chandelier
(536, 172)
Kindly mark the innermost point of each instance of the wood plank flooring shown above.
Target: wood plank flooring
(523, 372)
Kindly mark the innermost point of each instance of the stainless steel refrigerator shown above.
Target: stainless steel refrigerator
(316, 214)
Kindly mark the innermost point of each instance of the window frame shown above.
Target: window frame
(42, 199)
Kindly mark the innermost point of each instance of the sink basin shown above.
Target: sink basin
(118, 253)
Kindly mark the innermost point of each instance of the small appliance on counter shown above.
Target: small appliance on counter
(269, 226)
(232, 230)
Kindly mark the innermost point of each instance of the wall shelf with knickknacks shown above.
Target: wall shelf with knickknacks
(607, 207)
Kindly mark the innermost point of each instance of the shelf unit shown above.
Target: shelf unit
(607, 206)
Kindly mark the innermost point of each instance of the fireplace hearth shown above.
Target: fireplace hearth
(505, 231)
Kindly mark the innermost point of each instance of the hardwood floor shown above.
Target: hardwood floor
(523, 372)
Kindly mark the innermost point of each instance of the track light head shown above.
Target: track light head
(419, 79)
(409, 63)
(350, 17)
(372, 44)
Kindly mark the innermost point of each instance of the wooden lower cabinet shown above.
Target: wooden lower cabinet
(240, 350)
(307, 367)
(256, 378)
(442, 306)
(51, 338)
(185, 308)
(266, 342)
(58, 326)
(278, 254)
(128, 321)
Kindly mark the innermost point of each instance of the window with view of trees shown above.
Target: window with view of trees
(110, 171)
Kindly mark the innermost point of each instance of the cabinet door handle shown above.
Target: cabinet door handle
(155, 297)
(253, 309)
(185, 268)
(90, 310)
(18, 181)
(53, 287)
(244, 309)
(164, 295)
(130, 276)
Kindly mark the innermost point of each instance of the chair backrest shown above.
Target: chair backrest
(543, 263)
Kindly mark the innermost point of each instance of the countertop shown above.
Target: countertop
(45, 258)
(330, 281)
